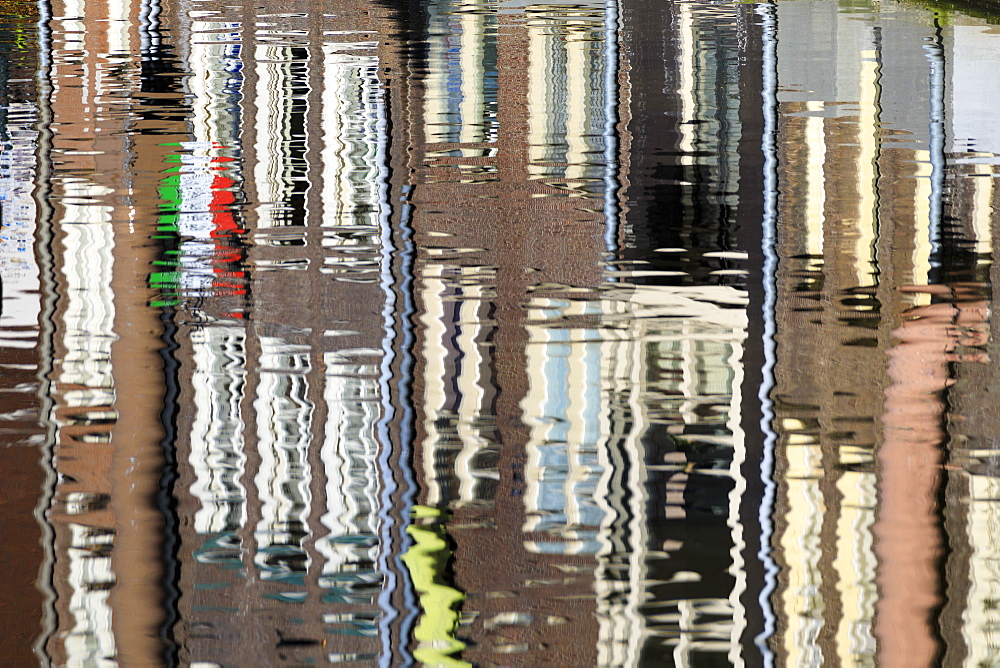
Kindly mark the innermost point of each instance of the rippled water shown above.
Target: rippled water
(479, 332)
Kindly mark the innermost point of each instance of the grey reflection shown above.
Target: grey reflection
(460, 85)
(85, 397)
(349, 454)
(460, 447)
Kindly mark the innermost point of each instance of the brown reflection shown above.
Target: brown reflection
(107, 381)
(280, 403)
(22, 434)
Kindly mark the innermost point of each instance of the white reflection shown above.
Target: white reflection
(284, 424)
(217, 456)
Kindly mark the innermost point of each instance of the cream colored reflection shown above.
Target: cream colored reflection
(435, 354)
(85, 377)
(980, 618)
(217, 448)
(622, 632)
(579, 379)
(984, 186)
(454, 348)
(815, 179)
(801, 542)
(284, 424)
(91, 642)
(855, 563)
(459, 106)
(921, 258)
(89, 243)
(565, 94)
(473, 401)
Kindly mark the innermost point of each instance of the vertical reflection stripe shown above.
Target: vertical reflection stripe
(768, 13)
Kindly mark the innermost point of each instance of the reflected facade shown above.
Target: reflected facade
(463, 332)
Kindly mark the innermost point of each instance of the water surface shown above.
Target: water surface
(477, 332)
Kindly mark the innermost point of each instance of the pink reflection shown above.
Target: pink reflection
(908, 531)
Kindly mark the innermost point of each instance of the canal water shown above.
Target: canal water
(499, 332)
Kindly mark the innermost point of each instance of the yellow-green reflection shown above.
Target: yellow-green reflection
(427, 561)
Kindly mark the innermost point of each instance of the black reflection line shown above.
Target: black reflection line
(166, 501)
(46, 334)
(939, 273)
(875, 268)
(155, 60)
(397, 576)
(406, 256)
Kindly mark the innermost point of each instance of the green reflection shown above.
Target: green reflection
(167, 279)
(427, 560)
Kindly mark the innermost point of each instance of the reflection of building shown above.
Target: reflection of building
(572, 426)
(529, 413)
(471, 282)
(491, 393)
(970, 616)
(868, 346)
(689, 230)
(106, 373)
(280, 409)
(826, 505)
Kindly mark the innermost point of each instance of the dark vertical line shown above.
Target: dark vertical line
(612, 184)
(166, 501)
(749, 237)
(876, 269)
(152, 61)
(407, 430)
(939, 273)
(46, 343)
(396, 289)
(936, 84)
